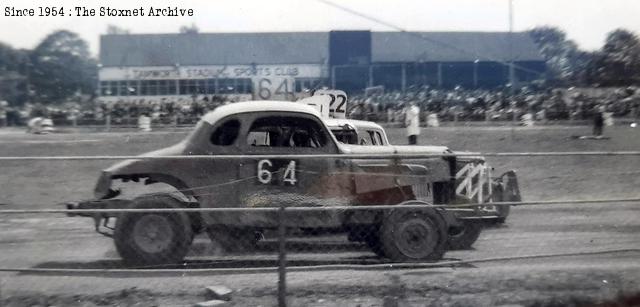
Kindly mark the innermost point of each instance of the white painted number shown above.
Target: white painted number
(290, 173)
(265, 175)
(274, 88)
(337, 102)
(340, 105)
(264, 89)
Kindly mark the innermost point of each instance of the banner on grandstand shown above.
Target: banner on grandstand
(212, 72)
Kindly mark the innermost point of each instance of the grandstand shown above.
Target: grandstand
(283, 65)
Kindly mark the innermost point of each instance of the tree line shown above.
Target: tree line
(616, 64)
(61, 67)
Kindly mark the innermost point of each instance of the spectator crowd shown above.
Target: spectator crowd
(449, 105)
(498, 105)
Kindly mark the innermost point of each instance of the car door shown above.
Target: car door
(215, 181)
(292, 181)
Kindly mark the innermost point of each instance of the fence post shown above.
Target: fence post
(108, 122)
(282, 259)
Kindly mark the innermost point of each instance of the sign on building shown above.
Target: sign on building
(273, 88)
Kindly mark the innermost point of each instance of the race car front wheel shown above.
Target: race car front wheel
(413, 235)
(152, 238)
(463, 237)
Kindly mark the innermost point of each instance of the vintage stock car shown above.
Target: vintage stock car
(268, 154)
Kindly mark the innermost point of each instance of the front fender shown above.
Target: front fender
(103, 186)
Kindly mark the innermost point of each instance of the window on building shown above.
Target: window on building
(152, 87)
(244, 86)
(211, 86)
(133, 87)
(123, 88)
(201, 86)
(172, 87)
(144, 86)
(187, 87)
(109, 88)
(226, 86)
(163, 87)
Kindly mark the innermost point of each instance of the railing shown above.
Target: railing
(285, 241)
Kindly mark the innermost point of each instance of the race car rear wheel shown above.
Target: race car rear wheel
(463, 237)
(152, 238)
(413, 235)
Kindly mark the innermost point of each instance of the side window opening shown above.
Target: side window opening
(379, 138)
(283, 131)
(346, 136)
(226, 134)
(364, 137)
(372, 136)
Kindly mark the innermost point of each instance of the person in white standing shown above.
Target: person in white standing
(412, 122)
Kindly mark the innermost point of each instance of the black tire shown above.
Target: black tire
(413, 235)
(463, 237)
(153, 238)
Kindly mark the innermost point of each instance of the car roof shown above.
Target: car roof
(339, 122)
(258, 106)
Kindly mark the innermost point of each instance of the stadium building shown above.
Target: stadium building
(281, 65)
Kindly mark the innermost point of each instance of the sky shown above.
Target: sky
(586, 21)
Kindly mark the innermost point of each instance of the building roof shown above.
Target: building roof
(308, 48)
(214, 49)
(452, 47)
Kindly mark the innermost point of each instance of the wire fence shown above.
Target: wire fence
(274, 230)
(379, 156)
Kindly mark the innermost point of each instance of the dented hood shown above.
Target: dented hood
(133, 167)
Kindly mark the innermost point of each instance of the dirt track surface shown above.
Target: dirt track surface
(581, 254)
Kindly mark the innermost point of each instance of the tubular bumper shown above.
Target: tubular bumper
(100, 219)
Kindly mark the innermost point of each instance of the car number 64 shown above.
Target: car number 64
(265, 176)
